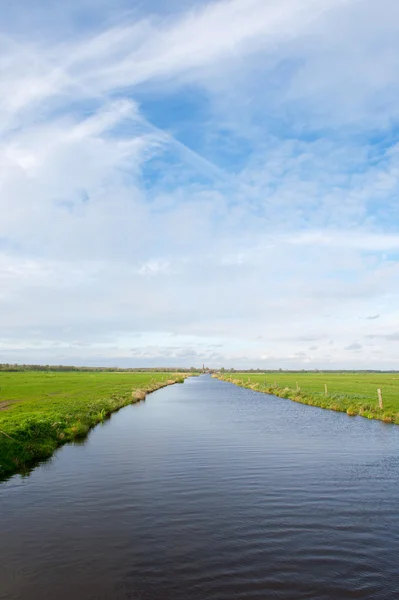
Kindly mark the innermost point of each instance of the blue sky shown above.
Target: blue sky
(192, 182)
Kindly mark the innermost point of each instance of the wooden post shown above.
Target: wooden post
(297, 387)
(380, 398)
(275, 384)
(325, 389)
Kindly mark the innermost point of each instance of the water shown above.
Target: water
(209, 491)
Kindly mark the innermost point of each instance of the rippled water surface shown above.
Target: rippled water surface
(209, 491)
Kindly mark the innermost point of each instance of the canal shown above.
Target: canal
(209, 491)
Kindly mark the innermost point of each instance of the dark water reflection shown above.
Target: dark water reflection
(209, 491)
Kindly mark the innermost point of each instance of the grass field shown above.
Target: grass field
(354, 393)
(39, 410)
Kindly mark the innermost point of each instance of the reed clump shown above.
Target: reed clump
(139, 395)
(352, 411)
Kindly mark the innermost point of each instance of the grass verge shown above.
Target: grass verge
(40, 411)
(360, 399)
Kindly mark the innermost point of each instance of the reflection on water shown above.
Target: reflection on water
(209, 491)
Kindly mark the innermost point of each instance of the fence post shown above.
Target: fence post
(297, 387)
(325, 389)
(380, 397)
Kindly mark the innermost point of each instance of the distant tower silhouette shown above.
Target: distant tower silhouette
(203, 368)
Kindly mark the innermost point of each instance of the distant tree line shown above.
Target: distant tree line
(223, 370)
(63, 368)
(18, 367)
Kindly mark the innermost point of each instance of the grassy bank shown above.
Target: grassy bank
(39, 411)
(353, 393)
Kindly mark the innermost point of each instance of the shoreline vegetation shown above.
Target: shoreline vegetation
(43, 410)
(355, 394)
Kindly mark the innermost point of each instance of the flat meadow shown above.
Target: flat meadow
(41, 410)
(352, 392)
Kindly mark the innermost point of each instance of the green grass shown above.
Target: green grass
(354, 393)
(40, 411)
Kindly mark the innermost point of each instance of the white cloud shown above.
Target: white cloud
(116, 233)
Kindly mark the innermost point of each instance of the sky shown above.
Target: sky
(200, 182)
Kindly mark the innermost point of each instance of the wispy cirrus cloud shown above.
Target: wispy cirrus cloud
(226, 172)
